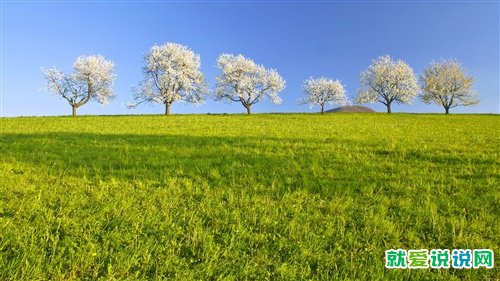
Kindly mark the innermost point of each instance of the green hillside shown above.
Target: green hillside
(269, 196)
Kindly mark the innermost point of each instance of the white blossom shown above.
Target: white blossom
(172, 73)
(388, 81)
(92, 79)
(242, 80)
(321, 91)
(445, 83)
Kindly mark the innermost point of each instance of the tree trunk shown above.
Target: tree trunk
(167, 109)
(249, 110)
(322, 109)
(73, 113)
(389, 108)
(447, 110)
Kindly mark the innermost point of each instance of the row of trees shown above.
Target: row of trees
(172, 73)
(444, 83)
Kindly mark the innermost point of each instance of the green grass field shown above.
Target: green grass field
(235, 197)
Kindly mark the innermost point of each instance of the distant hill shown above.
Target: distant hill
(350, 108)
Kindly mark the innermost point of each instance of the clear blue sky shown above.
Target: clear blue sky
(299, 39)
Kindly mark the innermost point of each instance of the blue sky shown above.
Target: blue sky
(299, 39)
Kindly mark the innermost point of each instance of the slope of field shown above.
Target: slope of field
(288, 196)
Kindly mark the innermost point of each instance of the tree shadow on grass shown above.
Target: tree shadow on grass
(158, 159)
(292, 163)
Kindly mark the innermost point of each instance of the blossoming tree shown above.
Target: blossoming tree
(321, 91)
(387, 81)
(92, 79)
(242, 80)
(172, 73)
(445, 83)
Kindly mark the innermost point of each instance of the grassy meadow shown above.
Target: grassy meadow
(237, 197)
